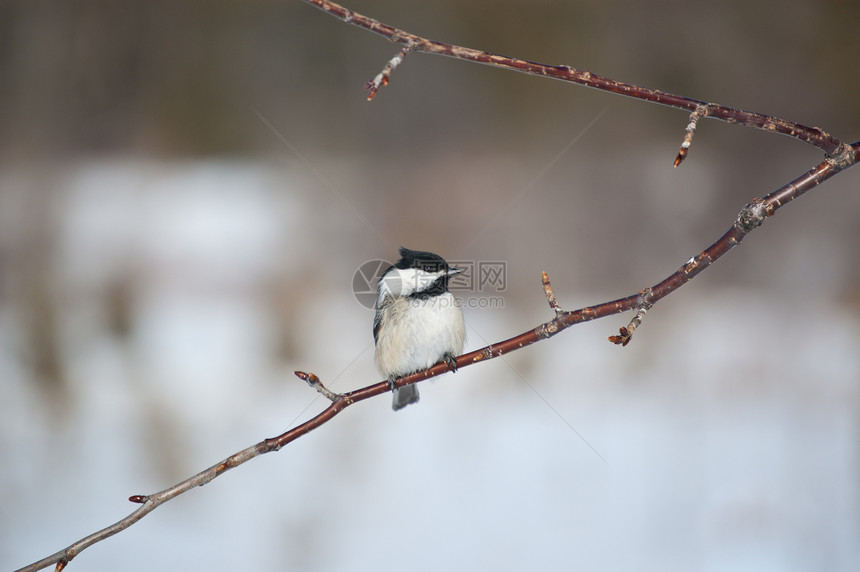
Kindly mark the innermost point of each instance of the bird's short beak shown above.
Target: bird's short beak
(453, 271)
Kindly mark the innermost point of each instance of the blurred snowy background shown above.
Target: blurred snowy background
(187, 188)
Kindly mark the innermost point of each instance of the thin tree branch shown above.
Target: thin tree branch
(812, 135)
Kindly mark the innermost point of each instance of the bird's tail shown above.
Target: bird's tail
(404, 396)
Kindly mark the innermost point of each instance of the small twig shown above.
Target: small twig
(381, 78)
(701, 111)
(626, 334)
(550, 296)
(315, 382)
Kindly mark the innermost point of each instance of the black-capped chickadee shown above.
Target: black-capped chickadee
(418, 322)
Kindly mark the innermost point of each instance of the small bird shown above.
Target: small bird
(418, 322)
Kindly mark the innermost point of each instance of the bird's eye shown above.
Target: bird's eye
(429, 268)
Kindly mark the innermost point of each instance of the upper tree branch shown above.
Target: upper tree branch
(414, 43)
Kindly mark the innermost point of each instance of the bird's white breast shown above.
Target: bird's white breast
(416, 334)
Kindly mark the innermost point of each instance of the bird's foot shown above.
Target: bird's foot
(451, 360)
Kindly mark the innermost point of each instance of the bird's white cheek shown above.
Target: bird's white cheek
(406, 281)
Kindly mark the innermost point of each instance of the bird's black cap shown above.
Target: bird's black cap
(420, 259)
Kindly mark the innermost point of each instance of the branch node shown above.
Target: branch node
(315, 382)
(753, 214)
(139, 499)
(626, 334)
(701, 111)
(550, 296)
(842, 158)
(381, 78)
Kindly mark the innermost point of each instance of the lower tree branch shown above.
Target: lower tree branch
(749, 218)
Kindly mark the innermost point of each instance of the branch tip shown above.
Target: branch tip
(623, 338)
(311, 378)
(682, 154)
(315, 382)
(381, 78)
(701, 111)
(550, 295)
